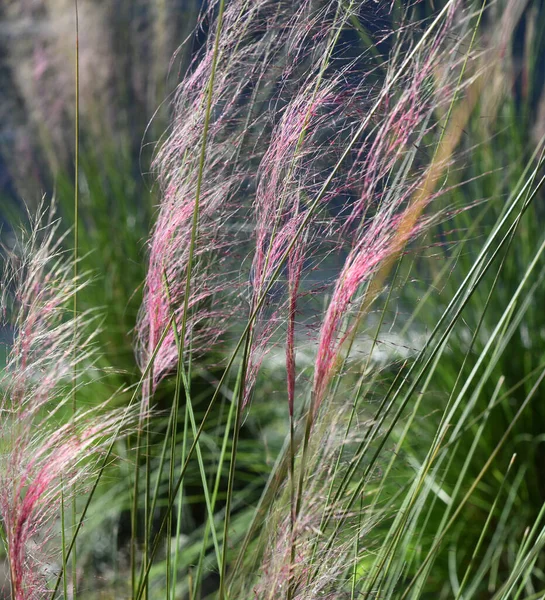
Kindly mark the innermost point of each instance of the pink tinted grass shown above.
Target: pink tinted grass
(378, 243)
(168, 263)
(294, 156)
(341, 141)
(315, 569)
(269, 178)
(41, 456)
(178, 166)
(286, 180)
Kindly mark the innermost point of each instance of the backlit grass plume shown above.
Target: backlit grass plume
(44, 451)
(294, 151)
(332, 382)
(286, 150)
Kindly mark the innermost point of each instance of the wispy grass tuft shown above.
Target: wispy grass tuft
(44, 454)
(338, 347)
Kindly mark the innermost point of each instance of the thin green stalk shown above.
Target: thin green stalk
(356, 554)
(134, 506)
(475, 483)
(523, 556)
(483, 532)
(143, 427)
(134, 511)
(378, 421)
(200, 462)
(75, 297)
(232, 466)
(299, 496)
(174, 420)
(221, 460)
(364, 36)
(529, 565)
(180, 506)
(393, 535)
(64, 556)
(107, 456)
(192, 449)
(418, 500)
(291, 475)
(181, 377)
(148, 514)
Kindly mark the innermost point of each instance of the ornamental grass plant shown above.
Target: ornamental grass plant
(321, 375)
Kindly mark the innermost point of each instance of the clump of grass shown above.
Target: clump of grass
(315, 181)
(307, 156)
(44, 454)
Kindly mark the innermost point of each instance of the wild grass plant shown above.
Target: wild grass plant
(335, 362)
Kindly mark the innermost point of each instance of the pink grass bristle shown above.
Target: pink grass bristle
(42, 458)
(264, 166)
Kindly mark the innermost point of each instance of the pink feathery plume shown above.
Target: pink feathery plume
(287, 179)
(289, 176)
(384, 218)
(295, 271)
(380, 241)
(42, 458)
(254, 37)
(214, 294)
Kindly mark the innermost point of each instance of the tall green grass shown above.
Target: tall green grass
(419, 476)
